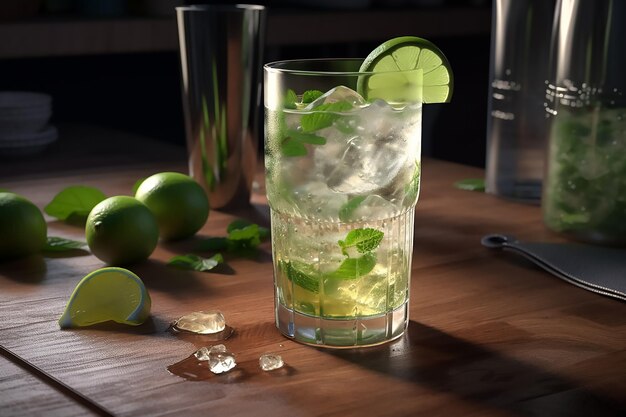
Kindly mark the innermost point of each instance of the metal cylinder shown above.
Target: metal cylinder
(220, 53)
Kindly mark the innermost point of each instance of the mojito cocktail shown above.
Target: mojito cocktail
(342, 160)
(585, 188)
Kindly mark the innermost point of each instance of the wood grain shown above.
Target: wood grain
(489, 334)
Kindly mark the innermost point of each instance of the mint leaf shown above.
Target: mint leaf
(264, 233)
(293, 144)
(347, 124)
(137, 184)
(365, 240)
(77, 200)
(290, 147)
(323, 116)
(4, 190)
(238, 224)
(60, 244)
(290, 99)
(195, 262)
(352, 268)
(306, 137)
(310, 96)
(471, 184)
(243, 223)
(302, 275)
(214, 244)
(243, 236)
(247, 236)
(245, 239)
(347, 210)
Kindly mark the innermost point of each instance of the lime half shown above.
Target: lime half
(107, 294)
(400, 65)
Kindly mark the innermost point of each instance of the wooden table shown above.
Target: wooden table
(489, 334)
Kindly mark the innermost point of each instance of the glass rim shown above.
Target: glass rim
(272, 67)
(219, 7)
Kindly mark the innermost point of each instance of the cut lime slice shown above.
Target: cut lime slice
(107, 294)
(399, 64)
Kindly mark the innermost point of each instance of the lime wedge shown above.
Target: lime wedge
(107, 294)
(401, 64)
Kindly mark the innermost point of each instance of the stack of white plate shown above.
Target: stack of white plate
(24, 127)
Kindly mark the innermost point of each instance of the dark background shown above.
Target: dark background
(140, 92)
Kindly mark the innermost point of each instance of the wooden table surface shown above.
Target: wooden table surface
(490, 334)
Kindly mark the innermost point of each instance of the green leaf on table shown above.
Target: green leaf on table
(302, 275)
(264, 233)
(247, 236)
(364, 240)
(347, 209)
(243, 236)
(137, 185)
(195, 262)
(311, 95)
(352, 268)
(243, 223)
(471, 184)
(75, 201)
(238, 224)
(323, 116)
(61, 244)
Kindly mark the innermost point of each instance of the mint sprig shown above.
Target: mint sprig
(302, 275)
(306, 137)
(347, 209)
(364, 240)
(293, 143)
(310, 96)
(75, 201)
(291, 98)
(195, 262)
(292, 148)
(353, 268)
(243, 236)
(323, 116)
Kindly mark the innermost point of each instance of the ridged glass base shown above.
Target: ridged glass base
(342, 333)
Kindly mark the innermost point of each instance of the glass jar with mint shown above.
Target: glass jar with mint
(584, 194)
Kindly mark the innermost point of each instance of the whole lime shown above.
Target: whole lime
(179, 203)
(121, 230)
(23, 229)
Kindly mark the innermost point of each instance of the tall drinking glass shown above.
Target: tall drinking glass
(343, 178)
(585, 193)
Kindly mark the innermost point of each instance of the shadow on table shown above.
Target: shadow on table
(193, 245)
(28, 270)
(154, 326)
(176, 282)
(439, 361)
